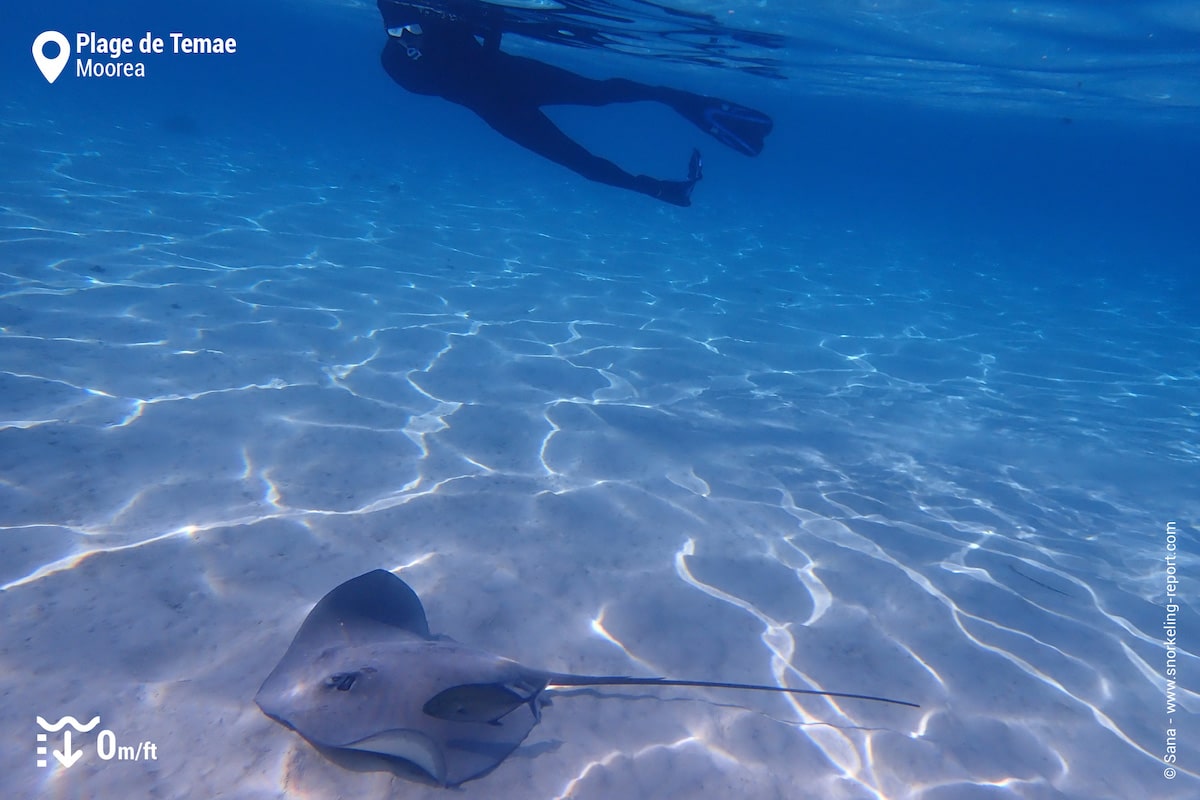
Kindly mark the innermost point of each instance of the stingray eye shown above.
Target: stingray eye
(342, 681)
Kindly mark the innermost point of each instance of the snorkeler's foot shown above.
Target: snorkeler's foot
(739, 127)
(695, 167)
(678, 193)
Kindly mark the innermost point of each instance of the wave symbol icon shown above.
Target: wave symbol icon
(68, 720)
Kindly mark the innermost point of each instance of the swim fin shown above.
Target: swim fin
(739, 127)
(679, 193)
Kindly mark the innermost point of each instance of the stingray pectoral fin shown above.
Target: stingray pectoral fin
(411, 746)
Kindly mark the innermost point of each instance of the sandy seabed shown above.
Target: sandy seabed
(655, 450)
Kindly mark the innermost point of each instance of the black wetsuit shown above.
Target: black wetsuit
(447, 60)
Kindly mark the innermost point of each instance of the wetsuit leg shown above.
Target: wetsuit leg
(735, 126)
(533, 130)
(547, 85)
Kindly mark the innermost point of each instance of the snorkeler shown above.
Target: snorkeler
(462, 62)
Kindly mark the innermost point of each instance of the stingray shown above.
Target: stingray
(365, 674)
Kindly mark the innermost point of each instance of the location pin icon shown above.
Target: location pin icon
(51, 67)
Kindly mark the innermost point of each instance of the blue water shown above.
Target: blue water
(905, 406)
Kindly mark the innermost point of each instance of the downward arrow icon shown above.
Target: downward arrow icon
(67, 756)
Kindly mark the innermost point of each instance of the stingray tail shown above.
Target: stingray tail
(623, 680)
